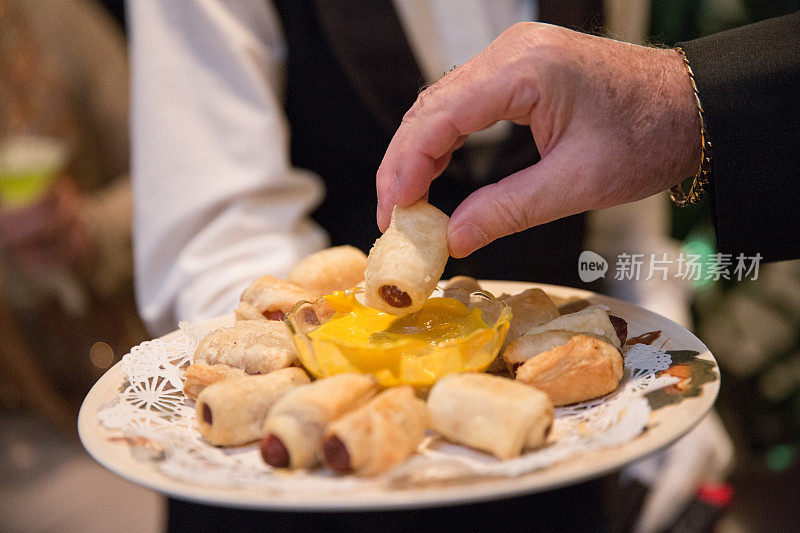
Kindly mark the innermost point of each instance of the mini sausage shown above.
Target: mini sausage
(270, 298)
(407, 261)
(232, 412)
(336, 455)
(274, 452)
(379, 435)
(297, 421)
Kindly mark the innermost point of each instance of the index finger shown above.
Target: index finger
(467, 100)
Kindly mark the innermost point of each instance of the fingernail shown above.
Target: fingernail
(381, 218)
(466, 239)
(392, 193)
(385, 207)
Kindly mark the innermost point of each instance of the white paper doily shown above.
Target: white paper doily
(150, 408)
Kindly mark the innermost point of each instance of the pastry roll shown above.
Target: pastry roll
(406, 262)
(529, 309)
(591, 320)
(529, 346)
(490, 413)
(200, 375)
(584, 368)
(270, 298)
(377, 436)
(232, 412)
(255, 346)
(293, 430)
(330, 270)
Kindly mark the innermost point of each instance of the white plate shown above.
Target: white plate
(668, 423)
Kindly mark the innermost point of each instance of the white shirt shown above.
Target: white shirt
(217, 202)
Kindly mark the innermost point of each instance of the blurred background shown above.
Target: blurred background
(67, 311)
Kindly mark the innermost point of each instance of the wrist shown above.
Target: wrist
(687, 134)
(700, 177)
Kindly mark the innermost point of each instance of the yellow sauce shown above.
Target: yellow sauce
(443, 337)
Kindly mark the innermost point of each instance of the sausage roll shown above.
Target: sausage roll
(270, 298)
(293, 430)
(406, 262)
(529, 309)
(490, 413)
(232, 412)
(330, 270)
(584, 368)
(255, 346)
(200, 375)
(377, 436)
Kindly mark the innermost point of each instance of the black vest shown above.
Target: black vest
(351, 77)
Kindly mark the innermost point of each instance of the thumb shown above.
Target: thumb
(532, 196)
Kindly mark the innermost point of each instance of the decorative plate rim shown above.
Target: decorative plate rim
(667, 426)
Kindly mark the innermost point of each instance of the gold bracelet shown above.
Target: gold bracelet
(700, 179)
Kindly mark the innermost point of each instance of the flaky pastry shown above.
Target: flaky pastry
(232, 412)
(378, 435)
(333, 269)
(293, 430)
(582, 369)
(490, 413)
(200, 375)
(255, 346)
(270, 298)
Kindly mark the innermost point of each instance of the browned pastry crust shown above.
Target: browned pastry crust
(232, 412)
(377, 436)
(270, 298)
(330, 270)
(200, 375)
(490, 413)
(298, 420)
(584, 368)
(255, 346)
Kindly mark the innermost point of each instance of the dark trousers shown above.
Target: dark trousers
(578, 508)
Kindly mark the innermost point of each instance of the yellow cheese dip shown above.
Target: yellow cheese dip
(445, 336)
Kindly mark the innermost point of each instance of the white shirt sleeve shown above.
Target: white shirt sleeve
(217, 202)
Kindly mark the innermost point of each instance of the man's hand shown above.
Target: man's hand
(48, 233)
(613, 122)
